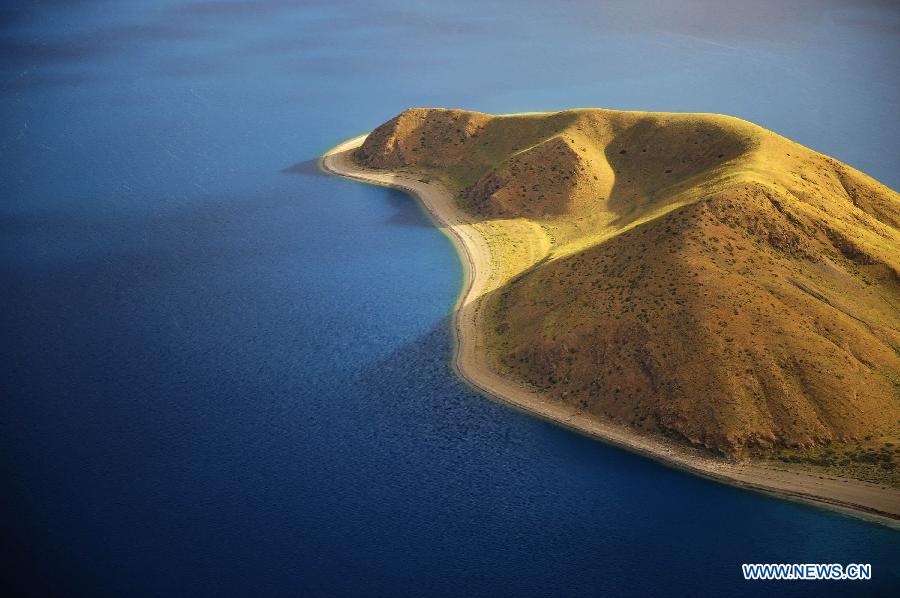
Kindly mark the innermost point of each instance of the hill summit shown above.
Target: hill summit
(703, 278)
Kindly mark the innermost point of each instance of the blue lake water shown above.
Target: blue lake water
(226, 374)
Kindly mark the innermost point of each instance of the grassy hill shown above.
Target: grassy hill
(702, 277)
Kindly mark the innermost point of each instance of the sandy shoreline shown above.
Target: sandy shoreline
(847, 495)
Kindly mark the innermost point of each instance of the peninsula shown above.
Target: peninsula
(691, 287)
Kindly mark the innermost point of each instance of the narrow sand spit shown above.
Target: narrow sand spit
(851, 496)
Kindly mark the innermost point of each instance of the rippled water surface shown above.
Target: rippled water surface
(226, 374)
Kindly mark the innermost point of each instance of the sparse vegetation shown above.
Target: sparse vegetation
(874, 459)
(694, 276)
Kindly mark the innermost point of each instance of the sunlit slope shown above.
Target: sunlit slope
(704, 277)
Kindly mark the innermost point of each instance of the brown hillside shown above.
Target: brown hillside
(706, 278)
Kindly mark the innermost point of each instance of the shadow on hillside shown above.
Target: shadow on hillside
(652, 163)
(538, 169)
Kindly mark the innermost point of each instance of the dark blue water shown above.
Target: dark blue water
(225, 374)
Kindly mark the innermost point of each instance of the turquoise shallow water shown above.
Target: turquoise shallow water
(226, 374)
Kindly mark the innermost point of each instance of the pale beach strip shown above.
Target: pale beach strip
(847, 495)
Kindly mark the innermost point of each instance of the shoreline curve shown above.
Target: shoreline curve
(848, 496)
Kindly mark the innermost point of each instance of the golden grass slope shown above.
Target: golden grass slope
(704, 278)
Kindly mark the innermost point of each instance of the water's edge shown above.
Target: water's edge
(449, 220)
